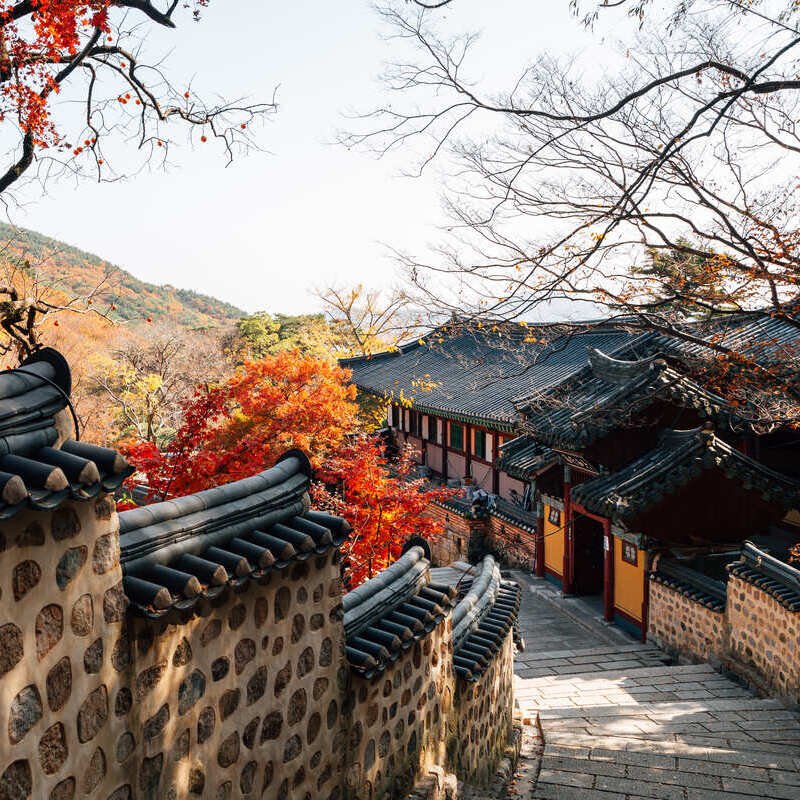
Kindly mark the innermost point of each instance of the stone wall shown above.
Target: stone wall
(243, 700)
(249, 698)
(396, 723)
(755, 637)
(461, 534)
(765, 637)
(61, 622)
(512, 544)
(484, 713)
(685, 627)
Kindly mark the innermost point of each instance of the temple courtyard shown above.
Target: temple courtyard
(618, 721)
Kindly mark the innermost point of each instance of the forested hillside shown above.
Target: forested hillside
(124, 297)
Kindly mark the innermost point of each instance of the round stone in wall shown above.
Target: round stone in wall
(64, 790)
(126, 744)
(260, 611)
(24, 577)
(32, 536)
(183, 654)
(155, 725)
(123, 702)
(228, 703)
(149, 678)
(95, 772)
(320, 687)
(228, 752)
(249, 733)
(210, 632)
(283, 601)
(248, 777)
(114, 603)
(271, 729)
(65, 524)
(92, 714)
(81, 619)
(17, 781)
(237, 616)
(220, 668)
(292, 749)
(181, 747)
(305, 663)
(53, 749)
(70, 565)
(192, 688)
(58, 684)
(25, 712)
(243, 654)
(105, 554)
(149, 777)
(296, 710)
(205, 724)
(257, 685)
(282, 678)
(49, 628)
(93, 657)
(10, 647)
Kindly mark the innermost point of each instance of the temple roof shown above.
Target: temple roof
(384, 616)
(179, 553)
(524, 457)
(679, 457)
(474, 375)
(610, 392)
(485, 614)
(40, 467)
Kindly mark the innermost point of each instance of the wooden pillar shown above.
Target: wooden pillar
(495, 456)
(445, 434)
(538, 542)
(467, 450)
(646, 594)
(608, 572)
(567, 582)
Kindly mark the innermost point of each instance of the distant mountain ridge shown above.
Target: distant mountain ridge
(76, 273)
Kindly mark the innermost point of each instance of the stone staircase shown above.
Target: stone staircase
(619, 722)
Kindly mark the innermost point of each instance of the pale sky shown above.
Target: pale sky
(260, 233)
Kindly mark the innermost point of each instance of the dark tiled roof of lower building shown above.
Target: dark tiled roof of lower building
(484, 616)
(475, 375)
(388, 613)
(524, 457)
(689, 582)
(180, 553)
(775, 577)
(680, 457)
(40, 467)
(609, 395)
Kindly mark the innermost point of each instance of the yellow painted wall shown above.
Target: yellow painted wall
(628, 582)
(553, 543)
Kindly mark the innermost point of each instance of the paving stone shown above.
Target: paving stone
(620, 722)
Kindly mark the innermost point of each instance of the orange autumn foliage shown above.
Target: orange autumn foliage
(284, 401)
(242, 426)
(382, 499)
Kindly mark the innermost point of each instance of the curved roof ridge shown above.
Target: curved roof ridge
(679, 456)
(619, 370)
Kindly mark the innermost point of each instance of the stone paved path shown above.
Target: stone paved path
(620, 723)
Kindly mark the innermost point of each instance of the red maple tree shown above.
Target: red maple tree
(289, 400)
(240, 427)
(383, 501)
(92, 51)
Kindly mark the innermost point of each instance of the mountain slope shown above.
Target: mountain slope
(77, 273)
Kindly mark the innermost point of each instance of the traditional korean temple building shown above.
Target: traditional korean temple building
(620, 454)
